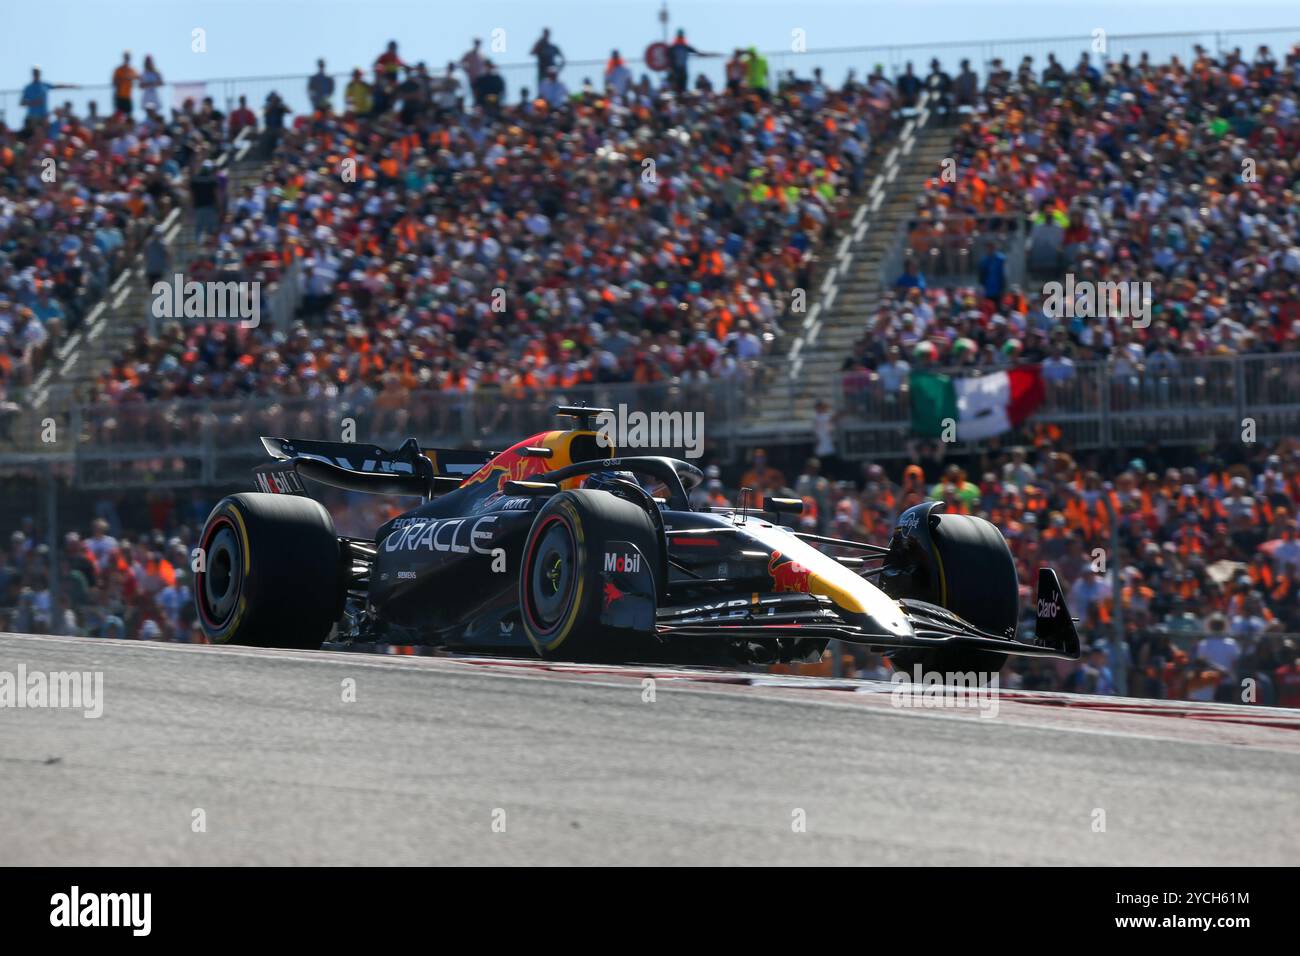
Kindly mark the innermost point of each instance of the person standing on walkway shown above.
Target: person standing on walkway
(151, 81)
(548, 56)
(679, 62)
(124, 78)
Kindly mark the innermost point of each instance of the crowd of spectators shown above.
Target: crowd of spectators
(627, 233)
(446, 237)
(116, 585)
(79, 194)
(1182, 175)
(128, 573)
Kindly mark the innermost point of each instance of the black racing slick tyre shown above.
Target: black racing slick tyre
(270, 572)
(560, 582)
(978, 581)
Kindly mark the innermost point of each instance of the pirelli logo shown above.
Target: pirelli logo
(279, 482)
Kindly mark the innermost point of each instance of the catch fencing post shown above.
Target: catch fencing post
(52, 537)
(1117, 586)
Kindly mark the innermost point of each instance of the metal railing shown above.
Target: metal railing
(1187, 402)
(835, 63)
(188, 442)
(948, 251)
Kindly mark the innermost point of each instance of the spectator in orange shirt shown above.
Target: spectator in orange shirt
(124, 78)
(913, 490)
(761, 477)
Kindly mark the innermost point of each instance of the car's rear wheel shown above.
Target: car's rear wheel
(978, 581)
(270, 573)
(560, 583)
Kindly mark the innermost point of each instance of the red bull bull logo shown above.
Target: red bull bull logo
(520, 469)
(789, 575)
(510, 465)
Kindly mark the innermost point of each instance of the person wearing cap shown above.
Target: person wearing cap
(913, 488)
(1218, 647)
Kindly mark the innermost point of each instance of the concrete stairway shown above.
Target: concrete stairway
(112, 324)
(808, 367)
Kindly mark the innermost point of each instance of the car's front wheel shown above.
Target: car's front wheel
(978, 581)
(561, 587)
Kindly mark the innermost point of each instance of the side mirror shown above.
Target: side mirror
(784, 506)
(531, 488)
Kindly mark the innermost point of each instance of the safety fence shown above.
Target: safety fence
(836, 64)
(948, 252)
(1113, 404)
(1187, 402)
(185, 442)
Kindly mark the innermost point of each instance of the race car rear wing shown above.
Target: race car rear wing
(353, 466)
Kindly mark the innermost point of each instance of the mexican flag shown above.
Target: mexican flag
(982, 406)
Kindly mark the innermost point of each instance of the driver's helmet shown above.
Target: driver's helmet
(607, 480)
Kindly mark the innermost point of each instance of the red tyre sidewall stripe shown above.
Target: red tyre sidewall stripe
(537, 627)
(199, 576)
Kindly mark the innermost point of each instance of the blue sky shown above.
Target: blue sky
(80, 41)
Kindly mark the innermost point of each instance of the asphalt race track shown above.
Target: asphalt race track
(446, 760)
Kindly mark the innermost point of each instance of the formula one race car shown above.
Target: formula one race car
(561, 547)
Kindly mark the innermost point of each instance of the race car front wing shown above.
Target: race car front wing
(811, 616)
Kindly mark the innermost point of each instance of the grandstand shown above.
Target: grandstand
(449, 265)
